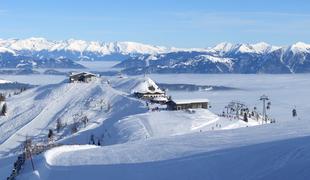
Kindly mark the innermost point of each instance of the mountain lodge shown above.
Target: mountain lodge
(81, 77)
(187, 104)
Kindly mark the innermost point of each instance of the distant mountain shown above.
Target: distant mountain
(140, 58)
(78, 49)
(10, 60)
(9, 85)
(225, 58)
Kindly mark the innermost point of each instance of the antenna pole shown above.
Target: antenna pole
(264, 98)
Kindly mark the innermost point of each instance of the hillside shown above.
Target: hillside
(225, 58)
(136, 140)
(141, 58)
(236, 154)
(12, 60)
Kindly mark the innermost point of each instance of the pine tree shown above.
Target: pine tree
(245, 117)
(50, 134)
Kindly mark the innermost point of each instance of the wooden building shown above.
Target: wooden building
(149, 95)
(81, 77)
(187, 104)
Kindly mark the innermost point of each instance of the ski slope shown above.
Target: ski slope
(139, 143)
(275, 151)
(35, 111)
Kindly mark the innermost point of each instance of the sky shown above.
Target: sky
(178, 23)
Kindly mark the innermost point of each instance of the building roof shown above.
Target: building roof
(145, 93)
(160, 99)
(147, 85)
(189, 101)
(82, 73)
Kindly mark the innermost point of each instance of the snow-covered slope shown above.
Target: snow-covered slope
(3, 81)
(266, 152)
(258, 48)
(142, 144)
(42, 106)
(300, 47)
(143, 58)
(103, 102)
(10, 60)
(225, 58)
(78, 49)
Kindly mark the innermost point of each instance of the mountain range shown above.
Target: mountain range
(78, 49)
(137, 58)
(225, 58)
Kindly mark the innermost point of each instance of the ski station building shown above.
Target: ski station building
(150, 91)
(187, 104)
(81, 77)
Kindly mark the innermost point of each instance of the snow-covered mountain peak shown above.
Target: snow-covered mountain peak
(263, 47)
(300, 47)
(76, 45)
(223, 47)
(6, 50)
(35, 44)
(134, 47)
(257, 48)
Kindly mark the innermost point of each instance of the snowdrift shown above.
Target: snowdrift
(232, 154)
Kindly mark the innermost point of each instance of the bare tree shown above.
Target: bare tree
(50, 135)
(85, 120)
(59, 125)
(74, 127)
(2, 97)
(4, 110)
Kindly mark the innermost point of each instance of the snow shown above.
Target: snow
(186, 101)
(223, 47)
(4, 50)
(216, 59)
(133, 47)
(247, 153)
(76, 45)
(52, 155)
(161, 124)
(39, 44)
(32, 43)
(3, 81)
(144, 144)
(258, 48)
(300, 47)
(164, 99)
(140, 85)
(43, 105)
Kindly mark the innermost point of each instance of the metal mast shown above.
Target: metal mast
(264, 98)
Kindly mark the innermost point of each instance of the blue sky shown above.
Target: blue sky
(180, 23)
